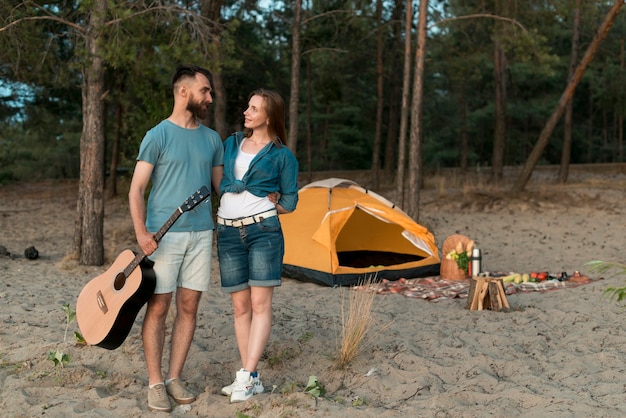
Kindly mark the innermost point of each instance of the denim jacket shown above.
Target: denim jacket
(273, 169)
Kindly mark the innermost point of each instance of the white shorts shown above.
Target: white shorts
(183, 259)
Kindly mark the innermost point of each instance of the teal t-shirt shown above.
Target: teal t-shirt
(183, 160)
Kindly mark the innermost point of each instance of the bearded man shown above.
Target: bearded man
(178, 156)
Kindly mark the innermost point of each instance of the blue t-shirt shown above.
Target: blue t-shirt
(183, 160)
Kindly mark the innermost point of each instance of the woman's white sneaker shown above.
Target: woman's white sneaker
(244, 388)
(258, 386)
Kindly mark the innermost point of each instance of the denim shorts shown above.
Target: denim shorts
(251, 255)
(183, 259)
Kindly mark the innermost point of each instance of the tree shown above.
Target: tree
(544, 137)
(379, 94)
(404, 112)
(415, 157)
(211, 9)
(569, 110)
(295, 77)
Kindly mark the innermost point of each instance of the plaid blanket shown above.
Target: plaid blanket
(437, 288)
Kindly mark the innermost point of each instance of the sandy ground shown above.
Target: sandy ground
(557, 353)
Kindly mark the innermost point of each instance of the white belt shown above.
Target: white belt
(248, 220)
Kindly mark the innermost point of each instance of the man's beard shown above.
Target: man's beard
(198, 109)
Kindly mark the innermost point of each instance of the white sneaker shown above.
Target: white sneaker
(258, 386)
(228, 390)
(244, 388)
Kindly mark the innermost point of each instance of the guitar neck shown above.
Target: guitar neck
(157, 237)
(168, 224)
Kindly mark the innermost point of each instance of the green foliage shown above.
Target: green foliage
(618, 269)
(59, 358)
(250, 47)
(70, 316)
(79, 338)
(314, 388)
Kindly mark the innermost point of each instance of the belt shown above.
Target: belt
(248, 220)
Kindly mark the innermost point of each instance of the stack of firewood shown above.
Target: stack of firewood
(486, 293)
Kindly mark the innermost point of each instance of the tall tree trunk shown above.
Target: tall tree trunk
(219, 105)
(620, 135)
(88, 235)
(605, 134)
(404, 111)
(499, 140)
(590, 128)
(392, 131)
(111, 189)
(415, 147)
(212, 9)
(309, 108)
(569, 111)
(294, 97)
(394, 97)
(464, 144)
(544, 137)
(379, 95)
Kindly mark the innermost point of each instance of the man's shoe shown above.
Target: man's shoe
(179, 393)
(158, 400)
(258, 386)
(244, 388)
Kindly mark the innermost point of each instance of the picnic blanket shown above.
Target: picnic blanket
(436, 288)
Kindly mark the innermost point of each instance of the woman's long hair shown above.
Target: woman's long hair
(275, 108)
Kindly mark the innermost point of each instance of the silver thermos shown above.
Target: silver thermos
(476, 260)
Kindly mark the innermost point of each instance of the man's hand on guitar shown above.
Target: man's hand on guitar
(147, 243)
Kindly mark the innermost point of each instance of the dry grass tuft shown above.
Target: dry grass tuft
(357, 322)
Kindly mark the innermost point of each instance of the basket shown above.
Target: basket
(449, 268)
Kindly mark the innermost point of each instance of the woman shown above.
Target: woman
(260, 181)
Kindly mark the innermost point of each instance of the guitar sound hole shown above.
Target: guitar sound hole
(120, 281)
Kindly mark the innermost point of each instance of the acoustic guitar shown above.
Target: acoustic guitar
(108, 304)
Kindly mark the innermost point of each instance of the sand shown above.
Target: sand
(556, 354)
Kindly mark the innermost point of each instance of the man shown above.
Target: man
(179, 155)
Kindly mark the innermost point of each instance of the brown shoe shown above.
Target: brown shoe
(176, 389)
(158, 400)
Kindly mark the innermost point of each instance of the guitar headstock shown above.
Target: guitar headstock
(195, 199)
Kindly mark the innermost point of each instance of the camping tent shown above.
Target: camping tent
(341, 233)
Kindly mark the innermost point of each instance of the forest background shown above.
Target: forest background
(370, 85)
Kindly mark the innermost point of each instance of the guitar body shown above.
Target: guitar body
(108, 305)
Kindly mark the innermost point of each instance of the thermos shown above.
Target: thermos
(476, 261)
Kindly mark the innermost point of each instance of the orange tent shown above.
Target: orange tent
(341, 233)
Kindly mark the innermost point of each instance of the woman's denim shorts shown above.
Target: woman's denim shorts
(251, 255)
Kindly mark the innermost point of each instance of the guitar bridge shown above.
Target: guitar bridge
(101, 303)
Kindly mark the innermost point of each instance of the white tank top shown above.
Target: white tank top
(238, 205)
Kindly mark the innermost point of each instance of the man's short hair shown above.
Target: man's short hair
(189, 71)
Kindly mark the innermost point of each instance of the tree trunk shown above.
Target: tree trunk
(590, 128)
(111, 189)
(394, 98)
(416, 114)
(569, 111)
(463, 122)
(88, 236)
(499, 140)
(219, 105)
(404, 112)
(620, 135)
(379, 95)
(309, 108)
(544, 137)
(211, 9)
(294, 97)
